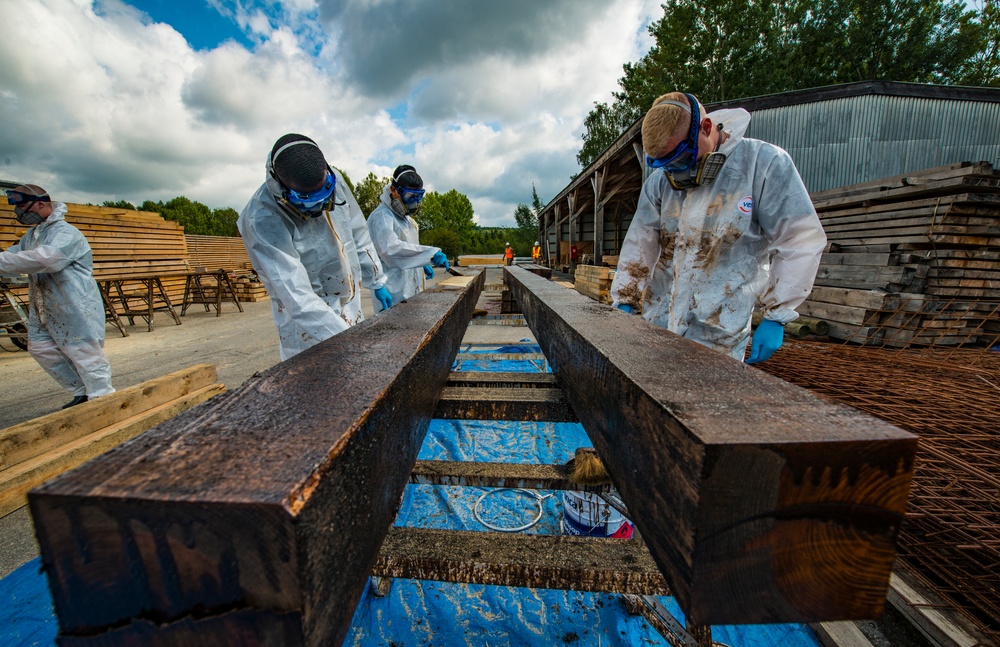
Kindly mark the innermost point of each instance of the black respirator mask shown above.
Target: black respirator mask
(27, 218)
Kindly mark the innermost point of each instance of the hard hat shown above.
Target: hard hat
(508, 244)
(536, 242)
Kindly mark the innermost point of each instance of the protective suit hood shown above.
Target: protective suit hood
(735, 122)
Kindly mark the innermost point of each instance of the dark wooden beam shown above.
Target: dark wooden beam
(759, 501)
(529, 476)
(260, 512)
(517, 559)
(531, 403)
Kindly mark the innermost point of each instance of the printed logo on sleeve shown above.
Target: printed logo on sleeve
(746, 204)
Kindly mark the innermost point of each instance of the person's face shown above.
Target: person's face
(43, 209)
(708, 136)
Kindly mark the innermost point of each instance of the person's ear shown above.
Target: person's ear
(707, 127)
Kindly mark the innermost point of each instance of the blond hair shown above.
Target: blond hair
(663, 121)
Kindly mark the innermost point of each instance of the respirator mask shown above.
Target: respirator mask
(683, 168)
(23, 202)
(408, 201)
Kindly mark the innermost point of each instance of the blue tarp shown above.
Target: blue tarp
(435, 614)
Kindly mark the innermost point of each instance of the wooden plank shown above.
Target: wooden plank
(532, 403)
(17, 480)
(509, 559)
(481, 474)
(840, 634)
(866, 299)
(34, 437)
(263, 508)
(936, 621)
(759, 501)
(497, 380)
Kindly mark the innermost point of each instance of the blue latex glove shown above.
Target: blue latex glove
(384, 298)
(428, 271)
(624, 307)
(440, 260)
(766, 339)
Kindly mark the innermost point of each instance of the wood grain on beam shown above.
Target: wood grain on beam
(262, 510)
(513, 559)
(759, 501)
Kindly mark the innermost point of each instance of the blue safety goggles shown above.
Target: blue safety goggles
(18, 198)
(308, 200)
(410, 197)
(685, 155)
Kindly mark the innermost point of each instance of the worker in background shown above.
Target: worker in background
(396, 236)
(307, 239)
(508, 256)
(65, 310)
(723, 222)
(536, 253)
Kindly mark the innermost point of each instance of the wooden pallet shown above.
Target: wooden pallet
(35, 451)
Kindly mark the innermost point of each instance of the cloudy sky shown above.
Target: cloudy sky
(151, 99)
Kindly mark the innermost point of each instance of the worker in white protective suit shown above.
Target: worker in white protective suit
(723, 222)
(307, 239)
(65, 310)
(396, 236)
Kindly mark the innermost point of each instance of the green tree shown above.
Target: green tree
(451, 210)
(727, 49)
(118, 204)
(195, 217)
(527, 224)
(368, 192)
(446, 239)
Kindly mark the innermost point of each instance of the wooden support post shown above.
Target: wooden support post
(257, 516)
(759, 501)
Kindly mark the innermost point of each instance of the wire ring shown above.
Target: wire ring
(537, 498)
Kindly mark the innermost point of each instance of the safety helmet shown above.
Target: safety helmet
(536, 243)
(508, 244)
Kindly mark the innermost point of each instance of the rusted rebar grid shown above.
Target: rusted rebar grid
(951, 399)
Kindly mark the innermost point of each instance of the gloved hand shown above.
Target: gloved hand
(441, 260)
(766, 339)
(384, 298)
(428, 271)
(624, 307)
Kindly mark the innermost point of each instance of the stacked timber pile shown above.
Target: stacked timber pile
(594, 282)
(468, 260)
(912, 259)
(609, 261)
(124, 242)
(218, 253)
(230, 254)
(35, 451)
(248, 289)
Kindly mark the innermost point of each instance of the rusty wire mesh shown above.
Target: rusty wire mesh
(950, 397)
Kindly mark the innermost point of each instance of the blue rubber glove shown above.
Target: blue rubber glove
(428, 271)
(766, 339)
(624, 307)
(384, 298)
(441, 260)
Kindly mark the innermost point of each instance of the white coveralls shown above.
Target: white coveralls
(698, 260)
(65, 312)
(397, 239)
(313, 268)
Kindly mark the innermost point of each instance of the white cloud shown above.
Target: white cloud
(111, 105)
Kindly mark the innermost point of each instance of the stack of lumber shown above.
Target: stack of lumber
(609, 261)
(218, 253)
(594, 282)
(469, 260)
(911, 258)
(249, 290)
(35, 451)
(124, 241)
(508, 305)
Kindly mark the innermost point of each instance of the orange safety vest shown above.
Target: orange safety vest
(536, 252)
(509, 252)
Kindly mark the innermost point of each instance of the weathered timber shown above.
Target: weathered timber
(512, 475)
(511, 559)
(260, 512)
(531, 403)
(759, 501)
(497, 380)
